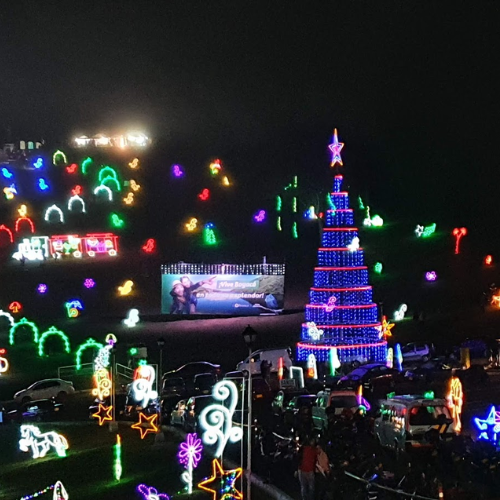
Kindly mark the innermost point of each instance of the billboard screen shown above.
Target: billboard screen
(232, 289)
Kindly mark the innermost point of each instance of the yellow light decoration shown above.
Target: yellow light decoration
(134, 164)
(223, 482)
(129, 199)
(4, 362)
(126, 288)
(150, 424)
(134, 186)
(385, 328)
(225, 181)
(23, 210)
(495, 300)
(9, 193)
(103, 384)
(192, 225)
(455, 398)
(103, 413)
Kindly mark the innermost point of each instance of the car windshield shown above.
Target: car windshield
(428, 415)
(357, 373)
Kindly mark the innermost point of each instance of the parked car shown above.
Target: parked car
(204, 382)
(168, 404)
(295, 405)
(417, 351)
(194, 407)
(178, 414)
(272, 356)
(371, 376)
(45, 389)
(175, 385)
(37, 411)
(189, 371)
(332, 404)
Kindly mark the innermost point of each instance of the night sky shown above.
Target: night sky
(411, 86)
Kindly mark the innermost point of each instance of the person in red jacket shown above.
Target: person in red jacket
(307, 466)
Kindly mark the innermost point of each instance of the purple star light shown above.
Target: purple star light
(336, 147)
(190, 451)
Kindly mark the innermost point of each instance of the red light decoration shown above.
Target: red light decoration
(204, 195)
(488, 260)
(328, 347)
(24, 219)
(71, 169)
(150, 246)
(15, 307)
(458, 233)
(3, 227)
(77, 190)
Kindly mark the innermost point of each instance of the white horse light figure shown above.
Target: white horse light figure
(40, 443)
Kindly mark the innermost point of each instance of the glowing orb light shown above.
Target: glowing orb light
(42, 288)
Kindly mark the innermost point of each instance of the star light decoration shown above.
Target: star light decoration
(385, 328)
(222, 482)
(336, 147)
(103, 413)
(150, 424)
(489, 427)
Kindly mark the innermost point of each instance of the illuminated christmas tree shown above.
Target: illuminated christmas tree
(341, 312)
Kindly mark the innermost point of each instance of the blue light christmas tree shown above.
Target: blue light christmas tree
(341, 312)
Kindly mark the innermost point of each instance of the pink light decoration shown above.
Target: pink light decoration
(336, 147)
(431, 276)
(71, 169)
(24, 219)
(150, 493)
(204, 195)
(330, 305)
(260, 216)
(177, 171)
(458, 233)
(42, 288)
(77, 190)
(89, 283)
(150, 246)
(190, 451)
(3, 227)
(328, 347)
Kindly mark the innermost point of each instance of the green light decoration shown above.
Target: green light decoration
(279, 203)
(294, 184)
(295, 233)
(209, 237)
(329, 200)
(107, 171)
(278, 224)
(361, 204)
(429, 230)
(294, 205)
(116, 221)
(133, 351)
(85, 164)
(429, 395)
(90, 343)
(50, 332)
(378, 267)
(114, 181)
(21, 323)
(118, 469)
(58, 156)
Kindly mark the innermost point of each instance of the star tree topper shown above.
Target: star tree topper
(336, 147)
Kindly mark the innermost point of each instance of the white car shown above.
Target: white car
(45, 389)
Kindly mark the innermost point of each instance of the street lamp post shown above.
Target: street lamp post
(159, 381)
(250, 337)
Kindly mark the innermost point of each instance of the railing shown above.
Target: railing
(71, 370)
(124, 371)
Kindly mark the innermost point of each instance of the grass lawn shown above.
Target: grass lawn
(87, 470)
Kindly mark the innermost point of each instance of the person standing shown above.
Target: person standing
(307, 466)
(322, 473)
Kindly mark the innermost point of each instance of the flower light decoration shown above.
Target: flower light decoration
(431, 276)
(189, 455)
(133, 185)
(458, 233)
(4, 362)
(216, 420)
(42, 184)
(7, 173)
(42, 288)
(455, 399)
(330, 305)
(38, 163)
(40, 443)
(116, 221)
(222, 483)
(150, 493)
(89, 283)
